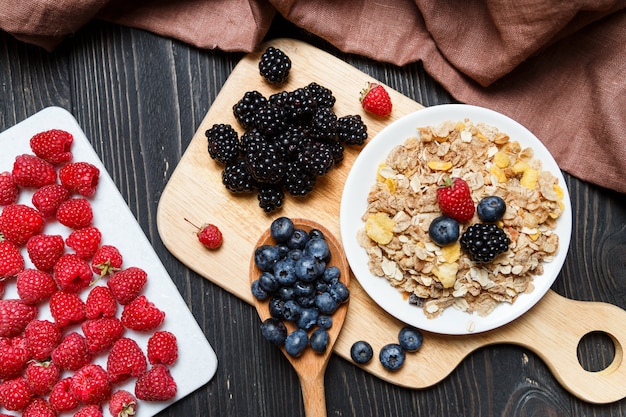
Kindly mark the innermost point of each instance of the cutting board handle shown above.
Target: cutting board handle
(554, 331)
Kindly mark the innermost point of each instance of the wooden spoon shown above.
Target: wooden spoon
(310, 366)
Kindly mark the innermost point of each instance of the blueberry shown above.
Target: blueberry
(325, 303)
(361, 352)
(274, 330)
(392, 356)
(258, 292)
(308, 318)
(331, 274)
(339, 292)
(268, 282)
(295, 342)
(285, 272)
(281, 229)
(276, 307)
(291, 310)
(319, 340)
(294, 254)
(321, 286)
(283, 250)
(410, 339)
(444, 230)
(309, 268)
(298, 239)
(286, 293)
(491, 209)
(318, 248)
(265, 256)
(324, 321)
(306, 301)
(301, 288)
(316, 234)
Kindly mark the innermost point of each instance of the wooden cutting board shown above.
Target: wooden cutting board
(552, 329)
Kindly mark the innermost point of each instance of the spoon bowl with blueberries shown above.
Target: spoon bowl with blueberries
(300, 281)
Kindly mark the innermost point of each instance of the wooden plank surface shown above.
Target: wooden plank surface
(195, 192)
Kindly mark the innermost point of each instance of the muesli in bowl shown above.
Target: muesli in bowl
(401, 203)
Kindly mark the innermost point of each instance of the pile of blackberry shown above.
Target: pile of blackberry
(291, 138)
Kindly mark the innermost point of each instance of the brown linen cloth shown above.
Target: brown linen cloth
(557, 67)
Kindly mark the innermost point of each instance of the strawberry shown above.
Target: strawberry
(156, 384)
(162, 348)
(455, 199)
(33, 172)
(90, 384)
(127, 284)
(11, 260)
(9, 191)
(72, 273)
(39, 407)
(42, 376)
(48, 198)
(42, 336)
(375, 99)
(72, 352)
(89, 410)
(19, 222)
(100, 303)
(53, 146)
(45, 250)
(34, 286)
(85, 242)
(13, 356)
(67, 308)
(14, 316)
(209, 235)
(126, 359)
(75, 213)
(61, 397)
(15, 394)
(106, 261)
(142, 315)
(122, 404)
(80, 177)
(102, 333)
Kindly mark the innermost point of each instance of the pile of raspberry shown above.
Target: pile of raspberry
(47, 366)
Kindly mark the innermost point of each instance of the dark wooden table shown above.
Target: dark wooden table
(140, 98)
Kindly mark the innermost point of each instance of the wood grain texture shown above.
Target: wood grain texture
(140, 98)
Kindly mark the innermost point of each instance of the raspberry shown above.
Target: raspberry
(106, 261)
(9, 192)
(11, 260)
(162, 348)
(100, 303)
(48, 198)
(72, 353)
(89, 410)
(42, 376)
(16, 315)
(72, 273)
(42, 337)
(67, 308)
(127, 284)
(100, 334)
(90, 384)
(33, 172)
(19, 222)
(375, 99)
(274, 65)
(223, 143)
(13, 357)
(35, 286)
(75, 213)
(142, 315)
(156, 384)
(53, 146)
(15, 394)
(39, 407)
(61, 398)
(45, 250)
(125, 360)
(85, 241)
(122, 403)
(80, 177)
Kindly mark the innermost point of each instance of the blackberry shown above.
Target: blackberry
(223, 143)
(300, 104)
(484, 241)
(246, 108)
(297, 181)
(270, 120)
(278, 99)
(292, 139)
(251, 140)
(236, 177)
(274, 65)
(322, 95)
(336, 148)
(270, 197)
(351, 130)
(316, 158)
(266, 163)
(324, 123)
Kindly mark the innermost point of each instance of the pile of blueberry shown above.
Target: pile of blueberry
(300, 287)
(391, 355)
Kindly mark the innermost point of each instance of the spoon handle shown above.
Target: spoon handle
(313, 396)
